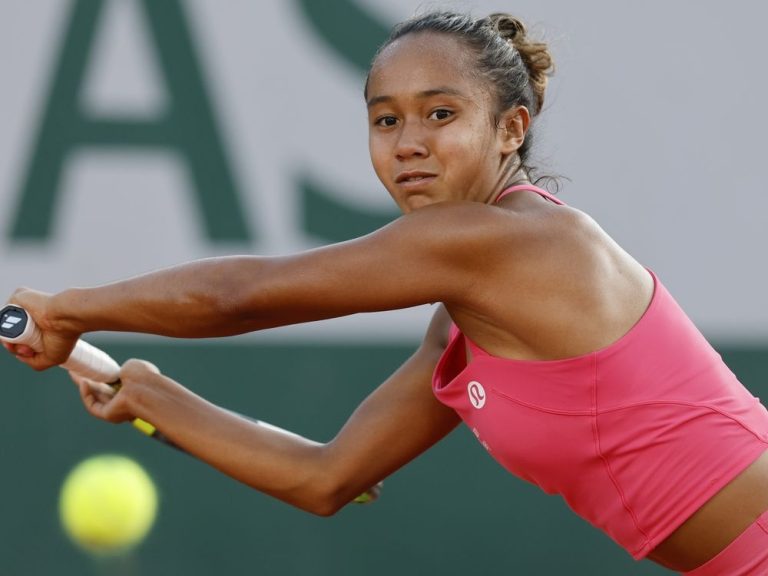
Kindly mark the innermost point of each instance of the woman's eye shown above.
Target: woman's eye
(440, 114)
(386, 121)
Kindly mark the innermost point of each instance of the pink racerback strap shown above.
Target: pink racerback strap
(532, 188)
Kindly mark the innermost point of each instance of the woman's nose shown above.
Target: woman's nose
(411, 143)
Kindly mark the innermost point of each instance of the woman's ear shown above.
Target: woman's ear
(513, 126)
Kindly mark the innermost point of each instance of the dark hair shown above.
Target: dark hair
(516, 67)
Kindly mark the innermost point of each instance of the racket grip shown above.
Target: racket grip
(89, 361)
(95, 364)
(17, 326)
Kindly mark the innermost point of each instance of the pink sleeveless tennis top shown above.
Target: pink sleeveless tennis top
(635, 437)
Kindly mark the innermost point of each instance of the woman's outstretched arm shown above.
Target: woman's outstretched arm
(430, 255)
(396, 423)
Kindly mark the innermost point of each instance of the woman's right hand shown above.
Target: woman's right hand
(57, 344)
(117, 404)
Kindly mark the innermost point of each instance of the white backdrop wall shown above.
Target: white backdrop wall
(656, 116)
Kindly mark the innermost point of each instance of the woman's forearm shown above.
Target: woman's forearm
(199, 299)
(398, 421)
(269, 459)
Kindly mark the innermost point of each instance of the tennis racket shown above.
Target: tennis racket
(18, 327)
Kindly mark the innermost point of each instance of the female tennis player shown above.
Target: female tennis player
(569, 360)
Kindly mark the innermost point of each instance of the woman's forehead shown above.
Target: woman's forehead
(421, 59)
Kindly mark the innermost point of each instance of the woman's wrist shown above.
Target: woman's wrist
(151, 395)
(65, 314)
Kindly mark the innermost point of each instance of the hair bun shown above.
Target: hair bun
(536, 56)
(508, 27)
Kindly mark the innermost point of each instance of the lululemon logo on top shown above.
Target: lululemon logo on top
(476, 394)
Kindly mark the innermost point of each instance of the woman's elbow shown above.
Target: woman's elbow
(315, 507)
(326, 508)
(321, 499)
(336, 499)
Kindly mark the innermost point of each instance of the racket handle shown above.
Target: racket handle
(92, 363)
(18, 327)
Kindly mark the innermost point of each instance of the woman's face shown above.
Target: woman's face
(432, 128)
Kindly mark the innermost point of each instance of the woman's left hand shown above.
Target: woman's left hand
(55, 344)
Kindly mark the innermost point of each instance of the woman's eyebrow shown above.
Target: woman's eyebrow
(440, 91)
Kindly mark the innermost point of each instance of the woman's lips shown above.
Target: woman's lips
(414, 179)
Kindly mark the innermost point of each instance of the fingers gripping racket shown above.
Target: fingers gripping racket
(18, 327)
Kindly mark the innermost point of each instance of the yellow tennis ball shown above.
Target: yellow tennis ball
(107, 504)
